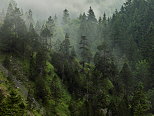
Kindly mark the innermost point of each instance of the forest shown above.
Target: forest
(78, 66)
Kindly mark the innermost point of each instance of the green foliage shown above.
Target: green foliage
(126, 79)
(68, 82)
(140, 102)
(12, 105)
(142, 72)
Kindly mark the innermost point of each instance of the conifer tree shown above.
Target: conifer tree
(66, 17)
(83, 25)
(29, 18)
(91, 15)
(65, 46)
(13, 105)
(126, 79)
(46, 36)
(51, 25)
(73, 52)
(104, 62)
(85, 51)
(38, 27)
(140, 102)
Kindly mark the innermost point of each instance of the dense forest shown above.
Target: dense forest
(83, 66)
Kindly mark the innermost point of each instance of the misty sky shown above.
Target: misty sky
(45, 8)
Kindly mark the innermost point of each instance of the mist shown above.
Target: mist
(44, 8)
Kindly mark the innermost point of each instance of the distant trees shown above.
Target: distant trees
(13, 31)
(103, 85)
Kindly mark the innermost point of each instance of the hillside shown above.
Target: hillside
(80, 66)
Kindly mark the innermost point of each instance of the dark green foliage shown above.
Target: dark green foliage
(12, 105)
(6, 62)
(104, 62)
(85, 51)
(41, 90)
(65, 46)
(32, 65)
(41, 58)
(73, 53)
(140, 102)
(126, 79)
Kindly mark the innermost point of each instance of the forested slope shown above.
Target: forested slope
(79, 67)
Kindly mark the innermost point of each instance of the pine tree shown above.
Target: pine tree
(91, 15)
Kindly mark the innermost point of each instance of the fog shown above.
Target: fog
(44, 8)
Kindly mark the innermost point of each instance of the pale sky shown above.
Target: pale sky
(45, 8)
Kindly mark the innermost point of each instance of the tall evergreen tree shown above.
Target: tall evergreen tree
(91, 15)
(29, 18)
(46, 37)
(85, 51)
(65, 46)
(66, 17)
